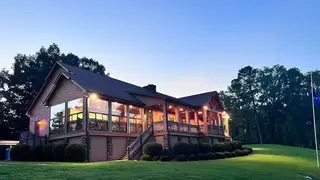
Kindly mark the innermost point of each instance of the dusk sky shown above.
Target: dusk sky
(184, 47)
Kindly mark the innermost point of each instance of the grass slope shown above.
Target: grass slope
(268, 162)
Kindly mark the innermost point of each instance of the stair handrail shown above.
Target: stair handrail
(137, 143)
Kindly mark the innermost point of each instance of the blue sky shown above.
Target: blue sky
(182, 46)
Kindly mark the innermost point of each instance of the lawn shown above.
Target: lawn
(268, 162)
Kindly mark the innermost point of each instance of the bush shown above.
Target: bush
(47, 152)
(204, 148)
(227, 154)
(192, 157)
(235, 145)
(233, 154)
(210, 156)
(218, 147)
(168, 153)
(181, 158)
(36, 153)
(247, 148)
(153, 149)
(75, 153)
(20, 152)
(202, 157)
(239, 152)
(194, 149)
(156, 158)
(220, 155)
(228, 146)
(165, 158)
(246, 152)
(146, 157)
(59, 152)
(3, 150)
(181, 149)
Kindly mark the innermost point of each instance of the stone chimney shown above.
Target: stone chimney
(151, 87)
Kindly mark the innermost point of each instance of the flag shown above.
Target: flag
(315, 97)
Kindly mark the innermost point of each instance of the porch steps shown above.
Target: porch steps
(134, 151)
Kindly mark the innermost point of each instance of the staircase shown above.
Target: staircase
(136, 146)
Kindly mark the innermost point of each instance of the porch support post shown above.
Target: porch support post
(177, 114)
(205, 128)
(222, 122)
(211, 121)
(85, 113)
(143, 115)
(66, 116)
(165, 116)
(188, 119)
(219, 122)
(109, 116)
(127, 109)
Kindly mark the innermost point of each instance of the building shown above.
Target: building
(114, 119)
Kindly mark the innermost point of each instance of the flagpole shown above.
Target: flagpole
(314, 123)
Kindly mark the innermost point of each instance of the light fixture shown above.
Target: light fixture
(200, 112)
(181, 109)
(205, 107)
(130, 106)
(93, 96)
(170, 107)
(225, 115)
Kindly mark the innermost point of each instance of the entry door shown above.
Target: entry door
(36, 127)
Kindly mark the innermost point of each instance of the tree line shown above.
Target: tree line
(272, 105)
(20, 85)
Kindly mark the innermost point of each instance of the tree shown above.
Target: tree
(28, 76)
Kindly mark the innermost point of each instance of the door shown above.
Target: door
(149, 118)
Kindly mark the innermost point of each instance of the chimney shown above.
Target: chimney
(151, 87)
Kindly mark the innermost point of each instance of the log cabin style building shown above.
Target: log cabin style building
(114, 119)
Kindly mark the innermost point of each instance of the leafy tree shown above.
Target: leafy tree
(19, 87)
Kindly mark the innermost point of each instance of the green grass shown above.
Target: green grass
(268, 162)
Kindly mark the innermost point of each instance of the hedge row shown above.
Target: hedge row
(60, 152)
(193, 152)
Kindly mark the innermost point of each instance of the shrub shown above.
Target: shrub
(238, 152)
(204, 148)
(227, 154)
(75, 153)
(233, 154)
(220, 155)
(218, 147)
(168, 153)
(181, 149)
(59, 152)
(3, 150)
(146, 157)
(210, 156)
(235, 145)
(20, 152)
(228, 146)
(36, 153)
(153, 149)
(47, 152)
(202, 157)
(165, 158)
(194, 149)
(181, 158)
(192, 157)
(156, 158)
(247, 148)
(246, 152)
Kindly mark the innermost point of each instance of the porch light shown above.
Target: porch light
(170, 107)
(181, 109)
(225, 115)
(200, 112)
(205, 107)
(93, 96)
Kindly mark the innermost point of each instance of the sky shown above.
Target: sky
(183, 46)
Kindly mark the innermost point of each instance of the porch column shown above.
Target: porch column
(222, 120)
(109, 116)
(211, 121)
(127, 110)
(143, 115)
(66, 117)
(205, 124)
(165, 116)
(85, 113)
(177, 114)
(219, 123)
(188, 119)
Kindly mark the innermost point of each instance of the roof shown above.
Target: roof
(117, 89)
(198, 99)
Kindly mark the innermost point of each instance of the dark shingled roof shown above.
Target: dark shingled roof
(110, 87)
(198, 99)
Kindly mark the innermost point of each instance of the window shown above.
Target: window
(56, 125)
(119, 119)
(75, 115)
(135, 115)
(182, 116)
(98, 114)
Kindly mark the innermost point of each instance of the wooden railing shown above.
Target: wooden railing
(137, 144)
